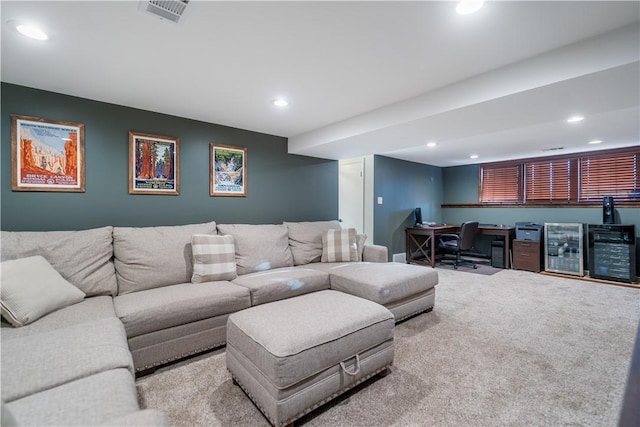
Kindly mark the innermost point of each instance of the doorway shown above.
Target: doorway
(351, 193)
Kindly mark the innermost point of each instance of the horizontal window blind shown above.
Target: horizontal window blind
(575, 178)
(551, 180)
(501, 183)
(610, 175)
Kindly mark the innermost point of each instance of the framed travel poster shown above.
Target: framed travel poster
(227, 170)
(153, 164)
(46, 155)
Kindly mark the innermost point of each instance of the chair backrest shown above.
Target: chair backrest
(468, 233)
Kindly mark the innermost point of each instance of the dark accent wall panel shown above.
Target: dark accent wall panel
(280, 186)
(403, 187)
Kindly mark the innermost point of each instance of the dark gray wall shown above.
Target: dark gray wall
(280, 186)
(403, 187)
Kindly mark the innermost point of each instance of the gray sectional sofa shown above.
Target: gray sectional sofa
(89, 309)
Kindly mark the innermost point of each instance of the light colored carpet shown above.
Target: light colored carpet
(511, 349)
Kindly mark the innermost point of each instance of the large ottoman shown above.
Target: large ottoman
(293, 355)
(404, 289)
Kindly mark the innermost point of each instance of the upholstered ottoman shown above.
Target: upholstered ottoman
(293, 355)
(404, 289)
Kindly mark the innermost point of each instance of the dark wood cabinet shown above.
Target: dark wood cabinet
(526, 255)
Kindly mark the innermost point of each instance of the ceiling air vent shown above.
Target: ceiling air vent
(553, 149)
(171, 10)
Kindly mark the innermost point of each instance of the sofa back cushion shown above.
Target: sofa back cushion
(151, 257)
(84, 257)
(259, 247)
(305, 239)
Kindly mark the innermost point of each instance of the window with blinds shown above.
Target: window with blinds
(577, 178)
(501, 183)
(610, 174)
(551, 180)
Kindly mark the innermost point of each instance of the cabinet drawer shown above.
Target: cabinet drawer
(526, 255)
(529, 262)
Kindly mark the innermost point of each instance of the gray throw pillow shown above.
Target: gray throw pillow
(30, 288)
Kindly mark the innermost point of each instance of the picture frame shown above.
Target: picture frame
(47, 155)
(227, 170)
(154, 164)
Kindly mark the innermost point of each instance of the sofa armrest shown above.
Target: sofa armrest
(375, 253)
(145, 417)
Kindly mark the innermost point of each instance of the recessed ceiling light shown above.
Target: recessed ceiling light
(280, 102)
(431, 144)
(466, 7)
(595, 141)
(575, 119)
(32, 32)
(473, 156)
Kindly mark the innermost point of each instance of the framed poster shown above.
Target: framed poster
(46, 155)
(154, 166)
(227, 170)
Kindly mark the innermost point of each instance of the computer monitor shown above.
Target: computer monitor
(417, 212)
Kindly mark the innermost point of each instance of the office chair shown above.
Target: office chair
(457, 243)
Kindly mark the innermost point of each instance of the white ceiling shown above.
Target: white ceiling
(361, 77)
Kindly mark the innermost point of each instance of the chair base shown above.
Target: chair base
(458, 262)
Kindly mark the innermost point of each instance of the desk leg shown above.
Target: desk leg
(433, 250)
(507, 250)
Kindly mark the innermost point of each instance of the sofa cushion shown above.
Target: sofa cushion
(214, 258)
(87, 401)
(48, 359)
(31, 288)
(82, 257)
(281, 283)
(259, 247)
(383, 283)
(87, 310)
(305, 239)
(160, 308)
(339, 245)
(8, 420)
(151, 257)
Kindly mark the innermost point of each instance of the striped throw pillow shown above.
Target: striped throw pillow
(339, 246)
(214, 258)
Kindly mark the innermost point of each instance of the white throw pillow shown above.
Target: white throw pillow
(31, 288)
(339, 245)
(214, 258)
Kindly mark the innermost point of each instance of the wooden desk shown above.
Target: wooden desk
(421, 243)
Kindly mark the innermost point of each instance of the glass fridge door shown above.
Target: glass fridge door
(563, 248)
